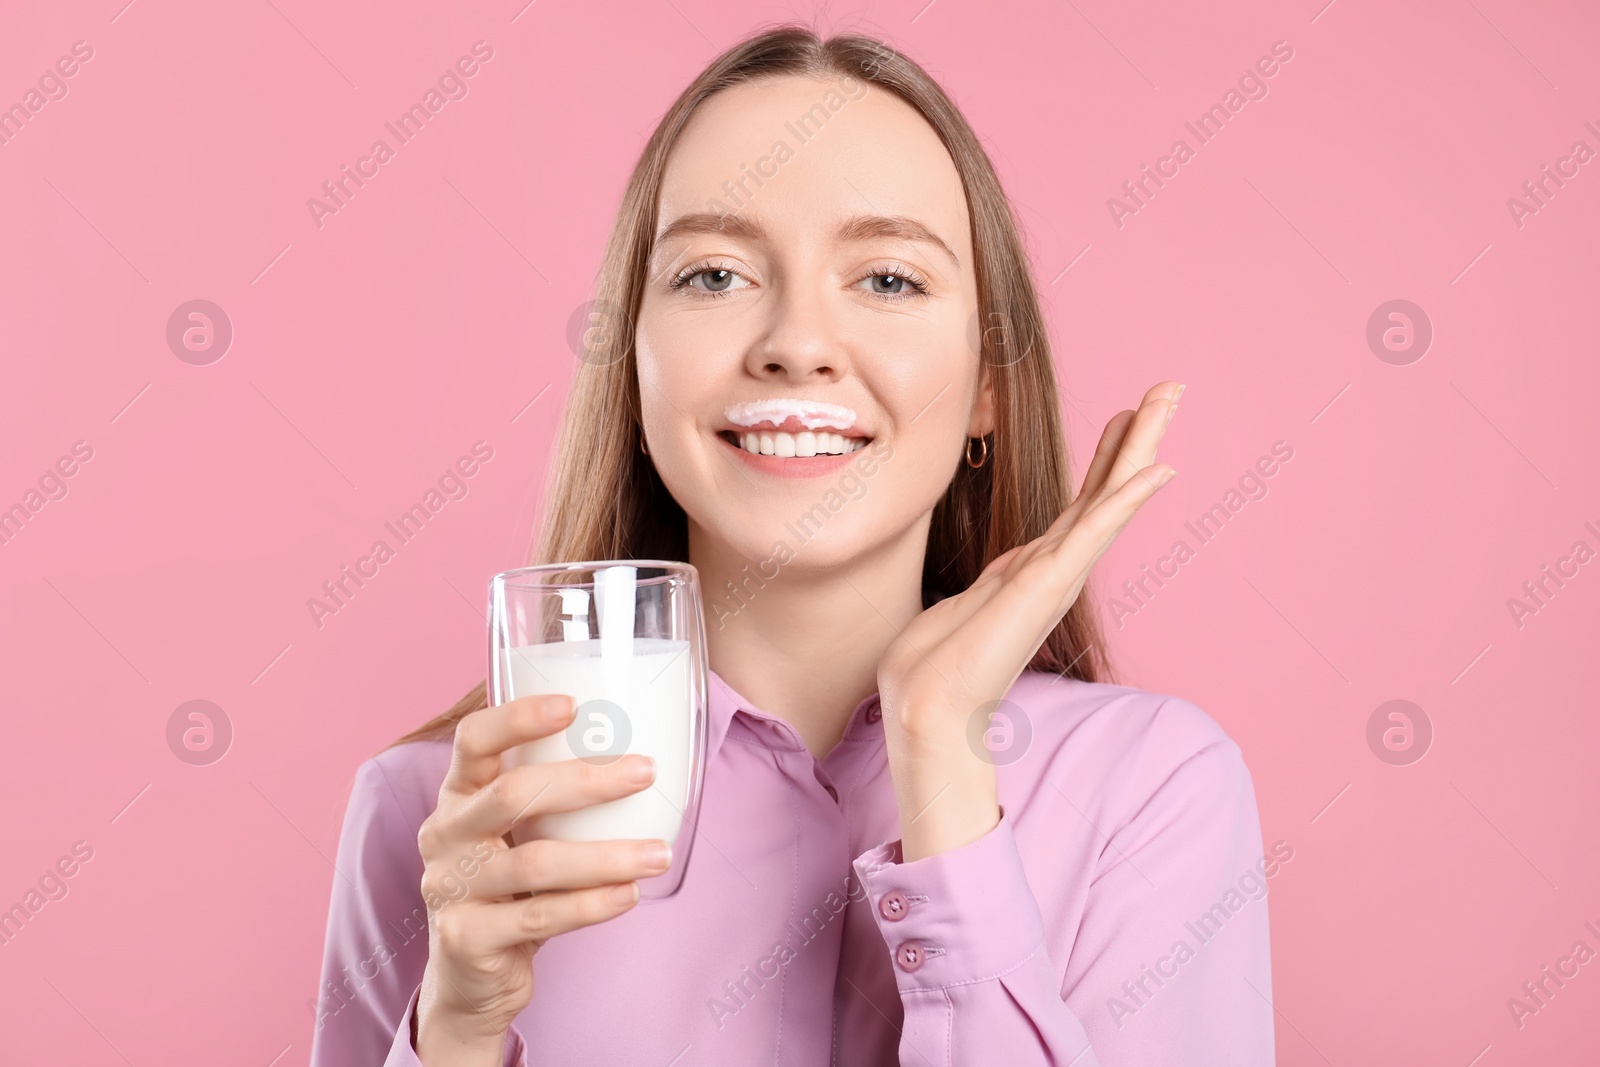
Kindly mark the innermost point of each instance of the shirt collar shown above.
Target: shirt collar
(723, 701)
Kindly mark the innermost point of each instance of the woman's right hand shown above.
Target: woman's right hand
(481, 936)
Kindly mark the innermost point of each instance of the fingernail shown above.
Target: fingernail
(1171, 411)
(1181, 387)
(656, 856)
(641, 769)
(623, 895)
(1167, 477)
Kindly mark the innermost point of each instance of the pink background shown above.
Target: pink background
(428, 313)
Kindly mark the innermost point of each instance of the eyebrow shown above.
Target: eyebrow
(855, 228)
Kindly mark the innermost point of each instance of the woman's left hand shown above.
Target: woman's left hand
(967, 650)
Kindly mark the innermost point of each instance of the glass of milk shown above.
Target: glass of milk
(625, 639)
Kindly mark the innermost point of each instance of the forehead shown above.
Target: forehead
(802, 154)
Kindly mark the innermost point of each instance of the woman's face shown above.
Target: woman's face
(841, 273)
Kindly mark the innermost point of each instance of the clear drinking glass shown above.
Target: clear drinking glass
(625, 639)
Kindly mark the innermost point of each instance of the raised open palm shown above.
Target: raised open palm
(969, 649)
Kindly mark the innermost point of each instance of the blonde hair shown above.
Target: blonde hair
(603, 498)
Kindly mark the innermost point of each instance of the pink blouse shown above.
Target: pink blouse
(1116, 915)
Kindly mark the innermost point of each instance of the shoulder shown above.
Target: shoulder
(1114, 719)
(1124, 743)
(399, 787)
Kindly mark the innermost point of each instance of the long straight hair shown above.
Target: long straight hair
(603, 498)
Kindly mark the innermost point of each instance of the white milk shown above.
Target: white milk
(651, 686)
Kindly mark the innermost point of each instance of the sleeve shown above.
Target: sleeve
(966, 941)
(977, 983)
(377, 940)
(402, 1053)
(1171, 962)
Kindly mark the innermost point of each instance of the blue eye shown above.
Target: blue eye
(718, 281)
(899, 283)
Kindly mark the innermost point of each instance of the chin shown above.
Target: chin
(773, 541)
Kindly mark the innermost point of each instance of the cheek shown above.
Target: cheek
(917, 347)
(664, 357)
(929, 382)
(679, 350)
(934, 394)
(680, 378)
(924, 461)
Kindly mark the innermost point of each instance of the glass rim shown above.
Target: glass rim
(676, 570)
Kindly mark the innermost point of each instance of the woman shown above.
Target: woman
(931, 833)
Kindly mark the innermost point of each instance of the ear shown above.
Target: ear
(982, 422)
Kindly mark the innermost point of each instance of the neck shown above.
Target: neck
(803, 641)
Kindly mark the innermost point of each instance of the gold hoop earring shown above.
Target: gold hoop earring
(984, 441)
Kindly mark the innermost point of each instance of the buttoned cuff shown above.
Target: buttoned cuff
(961, 916)
(402, 1054)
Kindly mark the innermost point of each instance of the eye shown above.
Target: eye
(717, 280)
(895, 282)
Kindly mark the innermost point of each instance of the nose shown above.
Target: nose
(802, 339)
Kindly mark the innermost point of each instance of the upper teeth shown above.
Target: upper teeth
(805, 443)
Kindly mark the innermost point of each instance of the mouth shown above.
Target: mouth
(794, 444)
(792, 428)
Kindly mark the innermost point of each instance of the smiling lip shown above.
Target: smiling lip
(792, 437)
(818, 466)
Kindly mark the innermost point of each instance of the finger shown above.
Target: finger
(537, 788)
(1138, 449)
(998, 574)
(983, 586)
(1105, 454)
(544, 864)
(485, 929)
(1117, 444)
(1112, 442)
(483, 735)
(1101, 524)
(1024, 610)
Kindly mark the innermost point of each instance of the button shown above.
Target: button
(909, 955)
(832, 792)
(893, 906)
(875, 713)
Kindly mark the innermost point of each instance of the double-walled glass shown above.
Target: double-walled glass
(625, 639)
